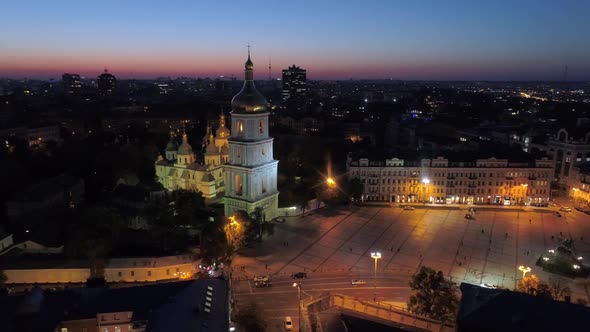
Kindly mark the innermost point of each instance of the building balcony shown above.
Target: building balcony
(450, 177)
(472, 177)
(472, 185)
(532, 178)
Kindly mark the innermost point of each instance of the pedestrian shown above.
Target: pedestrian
(551, 237)
(560, 233)
(490, 240)
(482, 231)
(506, 234)
(350, 249)
(398, 249)
(391, 249)
(465, 257)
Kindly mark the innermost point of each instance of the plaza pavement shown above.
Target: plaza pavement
(486, 249)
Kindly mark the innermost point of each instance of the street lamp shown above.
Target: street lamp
(375, 255)
(298, 285)
(525, 270)
(425, 181)
(331, 182)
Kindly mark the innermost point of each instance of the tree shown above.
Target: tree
(558, 289)
(94, 237)
(533, 286)
(257, 216)
(355, 189)
(250, 319)
(434, 296)
(3, 278)
(214, 246)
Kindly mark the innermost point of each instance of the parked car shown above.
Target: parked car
(288, 324)
(261, 284)
(488, 285)
(299, 275)
(358, 282)
(565, 209)
(261, 278)
(468, 216)
(557, 214)
(410, 208)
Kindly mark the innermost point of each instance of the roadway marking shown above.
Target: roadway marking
(250, 287)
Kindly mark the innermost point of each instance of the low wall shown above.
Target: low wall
(117, 270)
(313, 204)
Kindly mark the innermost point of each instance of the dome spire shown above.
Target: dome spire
(249, 99)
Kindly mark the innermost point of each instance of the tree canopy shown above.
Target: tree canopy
(434, 296)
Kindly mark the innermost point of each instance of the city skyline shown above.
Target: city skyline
(530, 40)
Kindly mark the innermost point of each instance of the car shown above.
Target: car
(485, 285)
(299, 275)
(565, 209)
(261, 284)
(468, 216)
(261, 278)
(410, 208)
(557, 214)
(288, 324)
(358, 282)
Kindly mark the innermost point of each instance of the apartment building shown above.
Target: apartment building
(482, 181)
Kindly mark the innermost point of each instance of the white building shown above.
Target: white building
(569, 149)
(485, 181)
(251, 173)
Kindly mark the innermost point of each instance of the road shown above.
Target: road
(280, 300)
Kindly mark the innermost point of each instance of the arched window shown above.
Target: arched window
(263, 185)
(240, 128)
(238, 184)
(261, 126)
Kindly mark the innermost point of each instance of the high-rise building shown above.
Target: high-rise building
(106, 84)
(72, 83)
(251, 173)
(294, 82)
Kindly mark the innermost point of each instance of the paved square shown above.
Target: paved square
(486, 249)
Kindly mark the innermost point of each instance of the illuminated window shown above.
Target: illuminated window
(240, 128)
(238, 184)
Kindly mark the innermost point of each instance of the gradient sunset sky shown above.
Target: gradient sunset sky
(438, 40)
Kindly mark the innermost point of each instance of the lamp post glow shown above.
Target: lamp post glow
(298, 285)
(331, 182)
(375, 255)
(525, 270)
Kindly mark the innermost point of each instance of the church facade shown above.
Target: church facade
(251, 172)
(178, 169)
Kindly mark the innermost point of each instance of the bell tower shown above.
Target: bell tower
(251, 173)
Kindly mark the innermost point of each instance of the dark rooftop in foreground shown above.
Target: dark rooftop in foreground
(495, 310)
(173, 306)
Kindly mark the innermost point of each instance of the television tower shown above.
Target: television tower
(269, 70)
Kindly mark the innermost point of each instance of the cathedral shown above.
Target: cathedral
(179, 169)
(239, 162)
